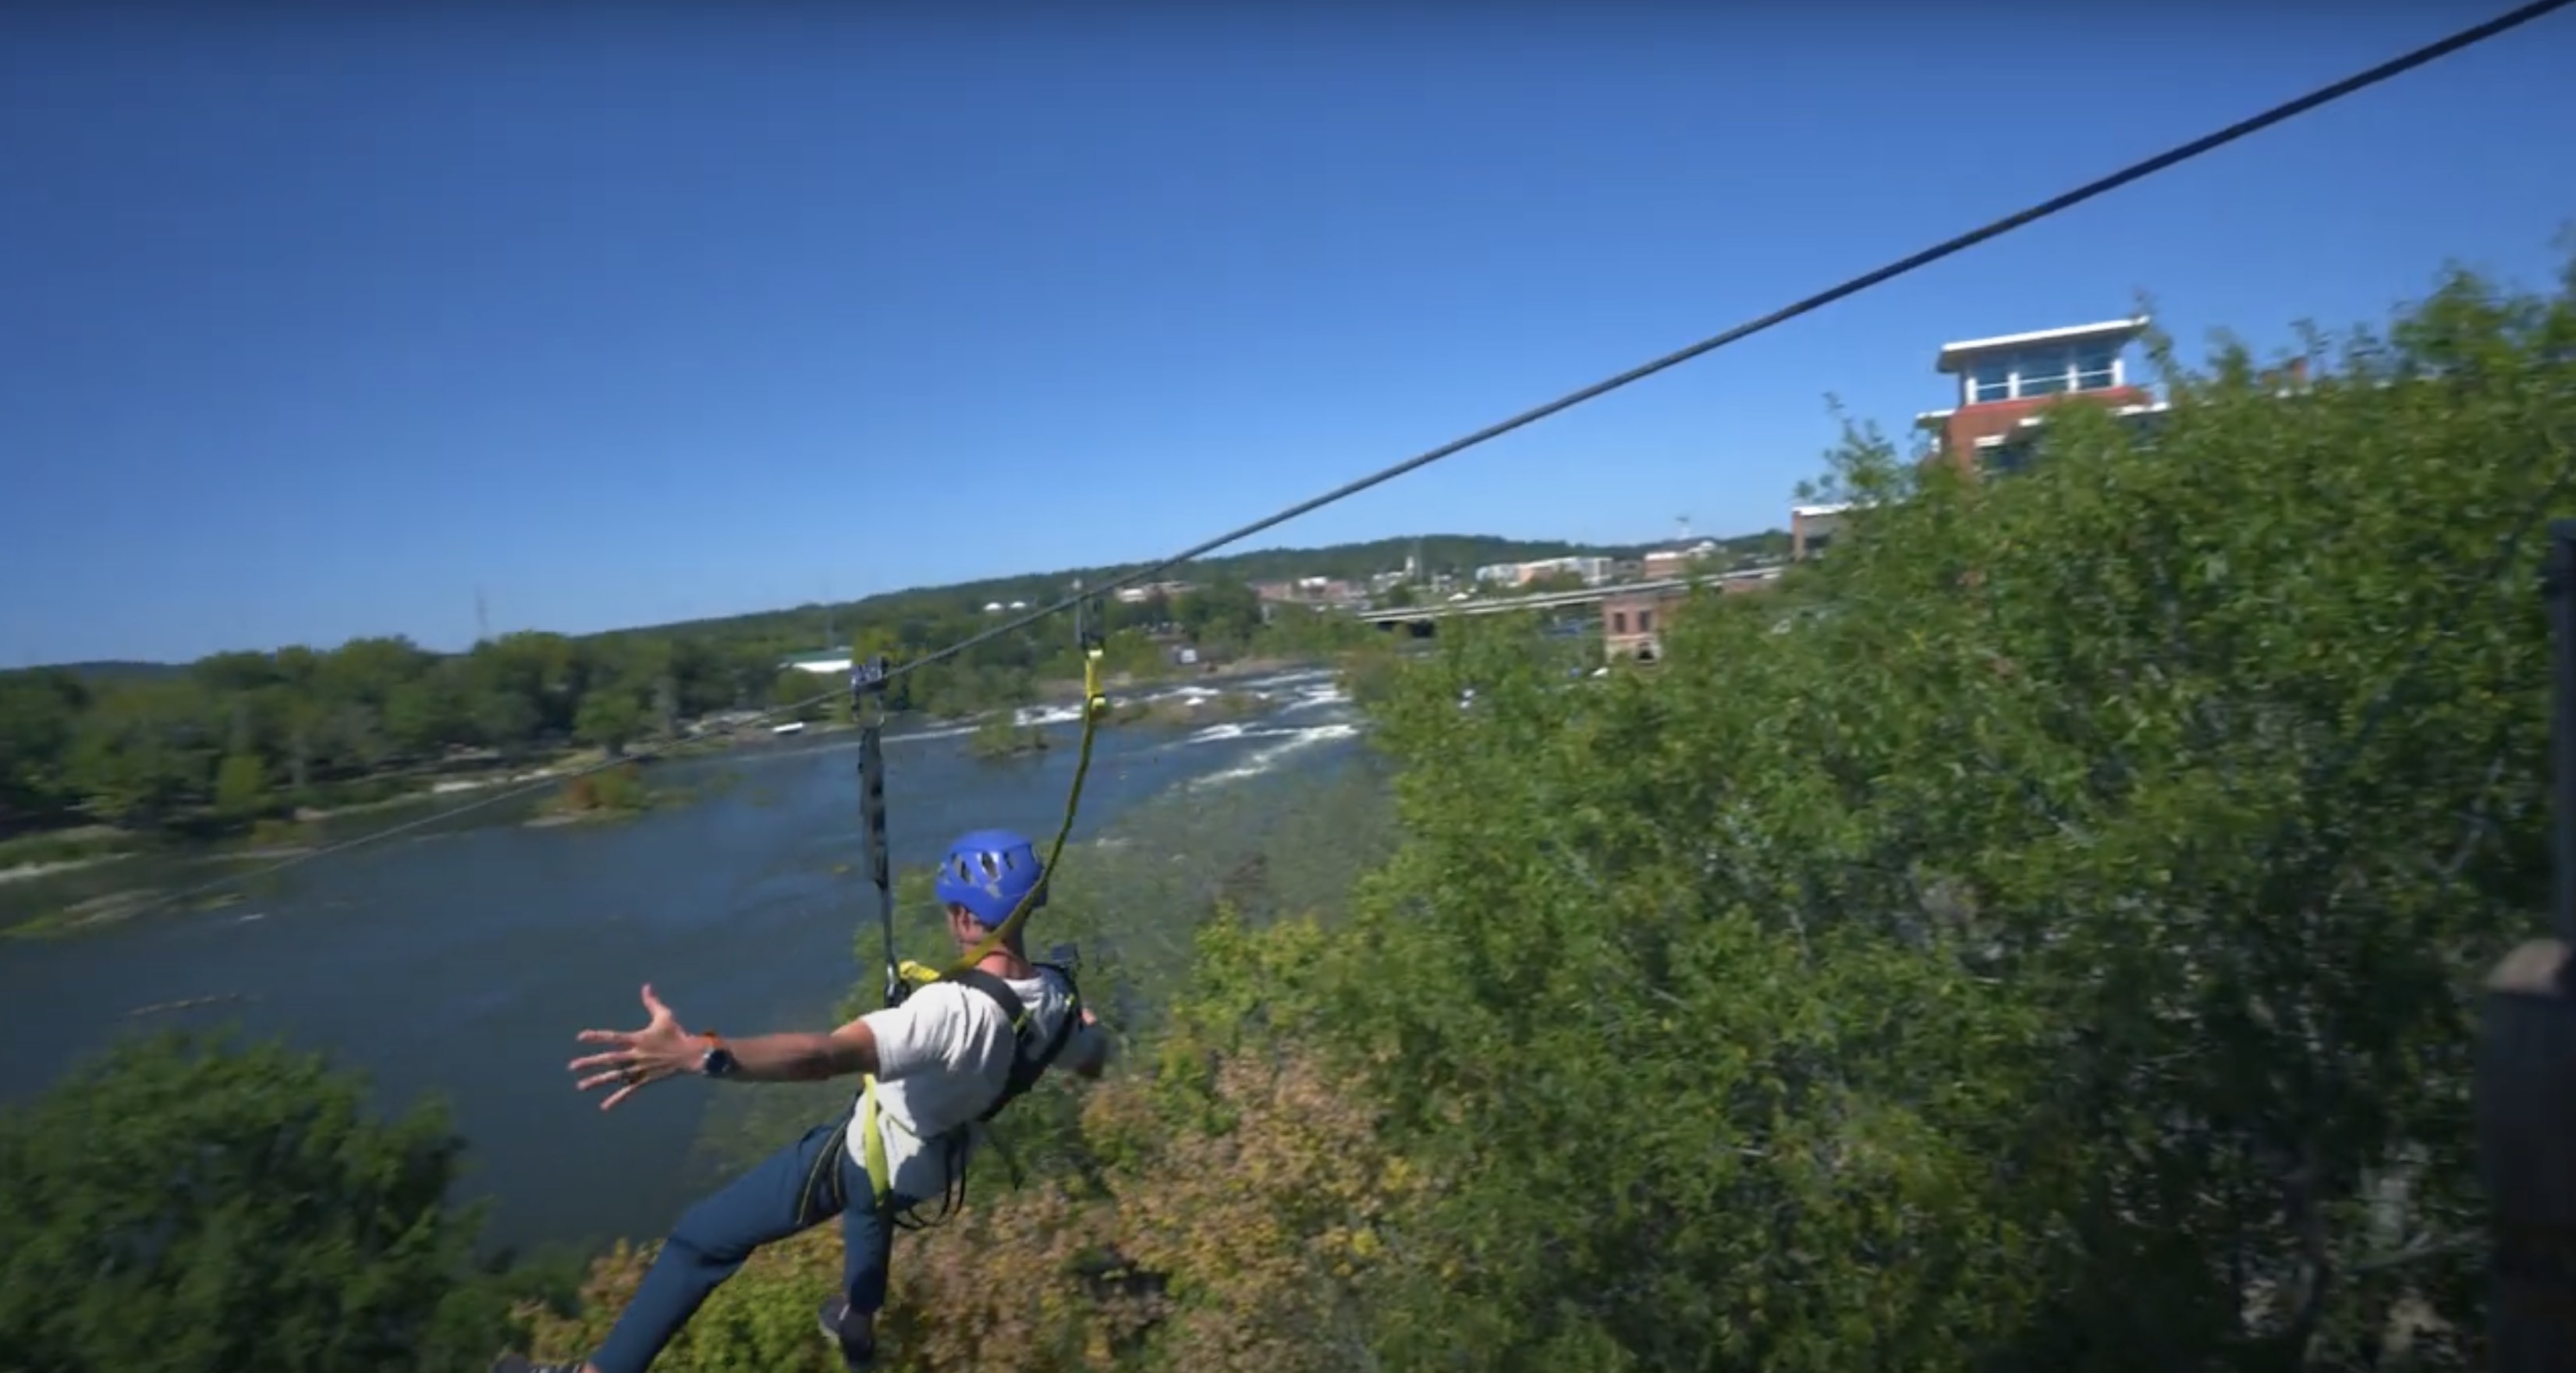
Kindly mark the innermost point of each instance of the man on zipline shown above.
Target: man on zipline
(949, 1056)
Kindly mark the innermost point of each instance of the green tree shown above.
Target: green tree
(504, 719)
(146, 751)
(39, 714)
(1219, 613)
(425, 715)
(796, 687)
(609, 719)
(241, 786)
(184, 1204)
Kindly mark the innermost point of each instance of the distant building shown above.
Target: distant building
(1138, 595)
(1319, 592)
(1812, 529)
(1633, 622)
(1592, 570)
(2006, 383)
(1662, 563)
(827, 662)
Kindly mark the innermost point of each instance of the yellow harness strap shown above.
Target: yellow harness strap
(871, 1124)
(1094, 705)
(872, 1139)
(871, 1121)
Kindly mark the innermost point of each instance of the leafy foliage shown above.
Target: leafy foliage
(182, 1204)
(2049, 948)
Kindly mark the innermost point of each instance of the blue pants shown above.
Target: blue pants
(796, 1189)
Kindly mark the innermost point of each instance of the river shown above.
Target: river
(462, 961)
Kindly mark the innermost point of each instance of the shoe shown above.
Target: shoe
(859, 1355)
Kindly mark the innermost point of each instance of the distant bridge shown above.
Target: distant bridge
(1555, 600)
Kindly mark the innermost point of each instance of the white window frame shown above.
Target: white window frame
(2072, 373)
(2064, 372)
(2075, 357)
(1970, 384)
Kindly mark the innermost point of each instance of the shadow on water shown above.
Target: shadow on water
(462, 961)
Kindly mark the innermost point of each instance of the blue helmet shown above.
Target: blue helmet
(988, 872)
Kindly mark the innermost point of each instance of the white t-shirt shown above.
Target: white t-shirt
(943, 1058)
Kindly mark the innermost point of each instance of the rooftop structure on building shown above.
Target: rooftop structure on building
(1812, 528)
(1138, 595)
(2007, 382)
(827, 661)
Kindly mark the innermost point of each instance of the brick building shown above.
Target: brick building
(1812, 528)
(2006, 385)
(2007, 382)
(1633, 622)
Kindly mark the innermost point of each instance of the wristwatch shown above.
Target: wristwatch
(718, 1060)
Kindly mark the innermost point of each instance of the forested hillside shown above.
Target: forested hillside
(242, 736)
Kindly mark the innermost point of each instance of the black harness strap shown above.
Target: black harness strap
(1026, 1068)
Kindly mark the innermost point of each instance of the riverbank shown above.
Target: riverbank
(46, 853)
(79, 880)
(741, 905)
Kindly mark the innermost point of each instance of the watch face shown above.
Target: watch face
(717, 1063)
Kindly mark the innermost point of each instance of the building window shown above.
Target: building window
(2038, 372)
(2046, 373)
(1645, 622)
(1618, 622)
(2097, 367)
(2004, 458)
(1993, 381)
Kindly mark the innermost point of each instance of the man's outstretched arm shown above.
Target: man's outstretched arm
(799, 1057)
(665, 1048)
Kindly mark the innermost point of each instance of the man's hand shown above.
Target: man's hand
(661, 1049)
(1096, 1061)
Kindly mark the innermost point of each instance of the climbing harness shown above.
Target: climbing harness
(1028, 1064)
(903, 976)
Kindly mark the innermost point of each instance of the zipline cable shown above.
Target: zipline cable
(2134, 172)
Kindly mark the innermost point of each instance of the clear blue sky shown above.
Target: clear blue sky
(311, 326)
